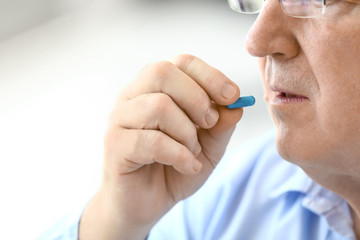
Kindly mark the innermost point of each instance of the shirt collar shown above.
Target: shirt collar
(316, 198)
(332, 207)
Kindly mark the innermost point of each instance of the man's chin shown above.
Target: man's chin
(305, 148)
(295, 148)
(283, 148)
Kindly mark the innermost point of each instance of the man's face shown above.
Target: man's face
(311, 76)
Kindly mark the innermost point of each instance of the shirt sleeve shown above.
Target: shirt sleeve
(205, 214)
(65, 229)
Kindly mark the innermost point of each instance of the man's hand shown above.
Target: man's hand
(168, 131)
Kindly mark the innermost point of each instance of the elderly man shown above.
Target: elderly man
(170, 128)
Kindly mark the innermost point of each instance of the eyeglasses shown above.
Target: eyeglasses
(293, 8)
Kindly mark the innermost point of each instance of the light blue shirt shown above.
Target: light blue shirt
(253, 194)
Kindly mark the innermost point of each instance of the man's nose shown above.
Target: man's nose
(273, 33)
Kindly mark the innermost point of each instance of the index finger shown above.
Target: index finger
(220, 88)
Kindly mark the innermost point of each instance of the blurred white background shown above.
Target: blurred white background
(62, 63)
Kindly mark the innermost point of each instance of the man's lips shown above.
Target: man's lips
(282, 96)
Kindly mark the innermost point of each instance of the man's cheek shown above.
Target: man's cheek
(262, 66)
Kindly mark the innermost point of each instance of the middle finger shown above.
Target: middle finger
(165, 77)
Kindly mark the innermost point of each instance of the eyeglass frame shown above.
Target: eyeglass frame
(239, 9)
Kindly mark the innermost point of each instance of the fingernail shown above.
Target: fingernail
(197, 166)
(228, 91)
(211, 117)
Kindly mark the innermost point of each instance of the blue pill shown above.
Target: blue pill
(242, 102)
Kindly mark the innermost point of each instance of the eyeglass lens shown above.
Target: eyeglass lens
(294, 8)
(303, 8)
(246, 6)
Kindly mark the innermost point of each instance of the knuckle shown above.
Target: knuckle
(183, 60)
(162, 103)
(153, 139)
(132, 149)
(182, 155)
(201, 99)
(190, 135)
(211, 78)
(162, 70)
(111, 138)
(115, 145)
(145, 102)
(112, 119)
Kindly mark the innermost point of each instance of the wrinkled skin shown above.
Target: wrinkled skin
(319, 60)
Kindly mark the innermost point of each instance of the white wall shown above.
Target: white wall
(58, 80)
(19, 15)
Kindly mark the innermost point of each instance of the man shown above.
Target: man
(170, 127)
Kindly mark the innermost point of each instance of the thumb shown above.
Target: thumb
(223, 129)
(215, 140)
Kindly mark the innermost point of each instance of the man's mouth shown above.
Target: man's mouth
(289, 95)
(286, 97)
